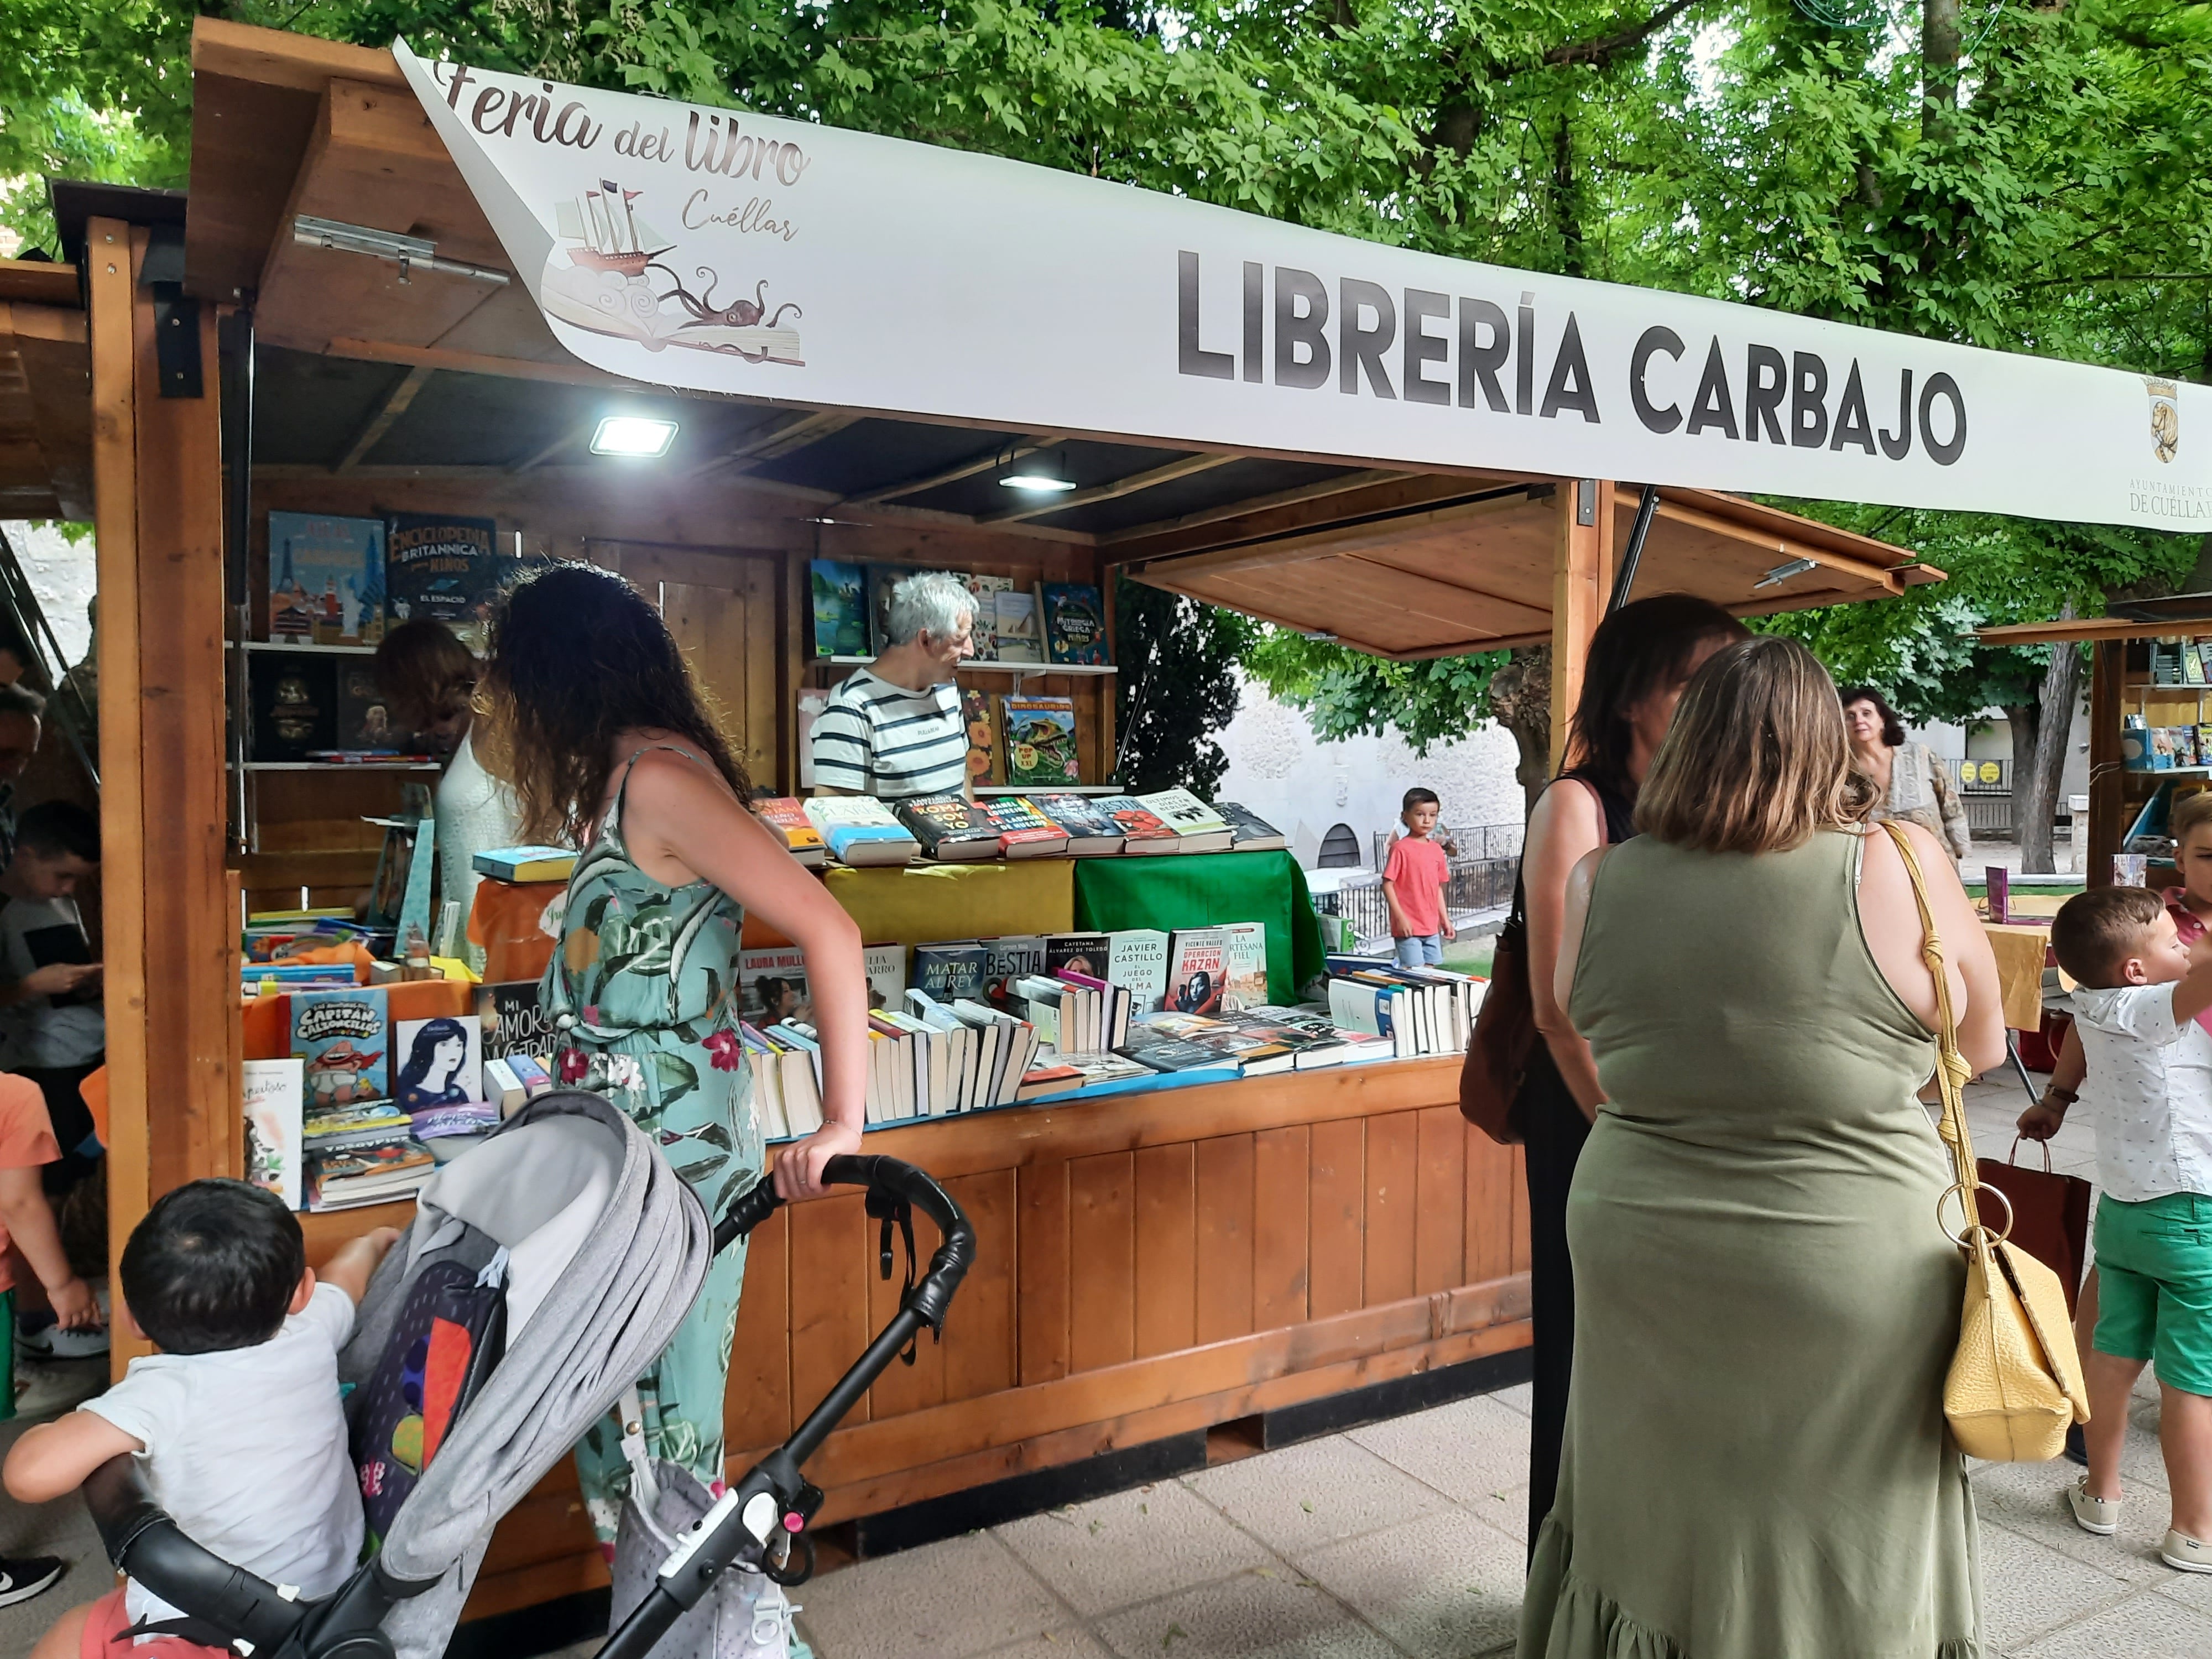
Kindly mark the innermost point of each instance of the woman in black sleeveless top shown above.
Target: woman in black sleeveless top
(1639, 660)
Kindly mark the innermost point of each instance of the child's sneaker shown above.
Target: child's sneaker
(2186, 1554)
(21, 1580)
(2098, 1515)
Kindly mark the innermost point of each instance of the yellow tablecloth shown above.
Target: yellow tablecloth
(2019, 949)
(921, 903)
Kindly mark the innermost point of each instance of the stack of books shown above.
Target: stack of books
(860, 831)
(363, 1155)
(1419, 1011)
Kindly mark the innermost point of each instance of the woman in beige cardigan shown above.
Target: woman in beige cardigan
(1911, 784)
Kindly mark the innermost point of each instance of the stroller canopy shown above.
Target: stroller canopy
(607, 1251)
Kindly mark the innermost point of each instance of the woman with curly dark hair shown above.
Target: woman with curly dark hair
(616, 753)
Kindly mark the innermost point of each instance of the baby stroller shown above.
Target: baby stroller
(604, 1249)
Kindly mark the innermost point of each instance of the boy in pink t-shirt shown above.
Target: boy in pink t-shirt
(1414, 883)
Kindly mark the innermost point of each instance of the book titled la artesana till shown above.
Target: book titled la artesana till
(786, 820)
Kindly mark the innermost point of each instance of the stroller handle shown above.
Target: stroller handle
(888, 1176)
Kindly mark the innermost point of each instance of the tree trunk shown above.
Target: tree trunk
(2023, 717)
(2035, 792)
(1939, 65)
(1520, 701)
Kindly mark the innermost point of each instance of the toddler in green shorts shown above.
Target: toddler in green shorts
(2149, 1088)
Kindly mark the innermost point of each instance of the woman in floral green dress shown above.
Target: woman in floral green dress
(614, 752)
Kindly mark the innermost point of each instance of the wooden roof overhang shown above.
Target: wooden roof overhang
(447, 375)
(45, 394)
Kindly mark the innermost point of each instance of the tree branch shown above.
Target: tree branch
(1603, 50)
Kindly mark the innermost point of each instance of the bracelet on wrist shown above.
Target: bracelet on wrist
(2052, 1094)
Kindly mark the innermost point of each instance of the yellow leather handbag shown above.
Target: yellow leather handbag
(2015, 1382)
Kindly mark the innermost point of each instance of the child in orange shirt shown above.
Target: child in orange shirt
(26, 1221)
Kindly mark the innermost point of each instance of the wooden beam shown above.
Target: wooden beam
(546, 453)
(1330, 539)
(123, 895)
(2108, 775)
(1784, 548)
(1313, 492)
(272, 57)
(39, 282)
(1581, 581)
(2078, 629)
(1108, 492)
(967, 469)
(386, 413)
(787, 438)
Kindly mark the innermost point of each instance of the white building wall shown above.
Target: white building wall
(63, 573)
(1303, 786)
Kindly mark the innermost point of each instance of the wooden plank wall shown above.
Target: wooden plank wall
(1145, 1266)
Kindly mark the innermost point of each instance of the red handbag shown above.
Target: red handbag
(2050, 1214)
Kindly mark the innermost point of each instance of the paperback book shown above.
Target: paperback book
(1197, 827)
(1023, 832)
(860, 831)
(510, 1020)
(1079, 953)
(983, 739)
(326, 579)
(364, 723)
(1137, 958)
(275, 1107)
(950, 972)
(986, 590)
(786, 820)
(1090, 832)
(446, 568)
(950, 828)
(772, 985)
(839, 595)
(1009, 957)
(294, 704)
(342, 1039)
(526, 863)
(440, 1063)
(1248, 831)
(1040, 741)
(1197, 970)
(1017, 628)
(1074, 623)
(1142, 831)
(1244, 966)
(885, 967)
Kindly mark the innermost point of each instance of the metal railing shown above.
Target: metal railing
(1483, 870)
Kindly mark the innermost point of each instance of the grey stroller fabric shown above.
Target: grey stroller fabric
(607, 1250)
(720, 1626)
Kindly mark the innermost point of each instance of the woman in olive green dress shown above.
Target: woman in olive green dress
(1756, 1463)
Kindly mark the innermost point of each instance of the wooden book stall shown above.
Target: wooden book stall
(1153, 1266)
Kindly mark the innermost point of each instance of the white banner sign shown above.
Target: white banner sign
(727, 252)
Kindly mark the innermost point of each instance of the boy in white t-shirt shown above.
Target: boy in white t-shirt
(2150, 1090)
(237, 1419)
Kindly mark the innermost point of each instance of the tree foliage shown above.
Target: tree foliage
(1176, 688)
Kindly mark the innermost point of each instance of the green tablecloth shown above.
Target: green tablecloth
(1202, 889)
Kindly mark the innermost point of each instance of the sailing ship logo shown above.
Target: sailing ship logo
(602, 276)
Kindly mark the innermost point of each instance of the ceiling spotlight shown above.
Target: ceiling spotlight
(640, 437)
(1042, 483)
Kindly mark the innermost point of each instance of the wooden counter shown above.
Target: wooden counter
(1147, 1265)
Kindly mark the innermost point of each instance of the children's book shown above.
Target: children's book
(1142, 831)
(1090, 833)
(1248, 832)
(772, 985)
(950, 828)
(326, 579)
(1023, 832)
(275, 1105)
(1040, 739)
(986, 590)
(882, 579)
(374, 1174)
(415, 920)
(786, 820)
(343, 1039)
(446, 568)
(526, 863)
(950, 972)
(1245, 965)
(438, 1062)
(294, 699)
(983, 739)
(1074, 623)
(1197, 970)
(861, 830)
(1018, 629)
(840, 600)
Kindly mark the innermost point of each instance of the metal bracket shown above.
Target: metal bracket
(1586, 500)
(177, 340)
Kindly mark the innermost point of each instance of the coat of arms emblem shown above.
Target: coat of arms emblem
(2165, 417)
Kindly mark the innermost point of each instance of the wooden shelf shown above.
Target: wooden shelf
(316, 650)
(1019, 669)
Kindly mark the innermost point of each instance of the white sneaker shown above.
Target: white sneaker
(2098, 1515)
(2186, 1554)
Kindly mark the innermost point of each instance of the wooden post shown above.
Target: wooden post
(172, 931)
(1582, 582)
(2107, 778)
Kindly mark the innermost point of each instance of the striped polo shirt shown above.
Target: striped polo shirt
(877, 739)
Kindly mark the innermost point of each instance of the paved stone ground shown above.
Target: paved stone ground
(1399, 1540)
